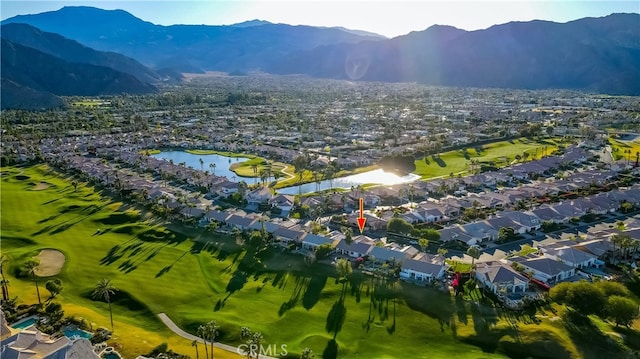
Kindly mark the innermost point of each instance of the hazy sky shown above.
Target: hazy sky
(389, 18)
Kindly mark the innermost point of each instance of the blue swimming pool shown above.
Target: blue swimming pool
(77, 333)
(25, 323)
(110, 356)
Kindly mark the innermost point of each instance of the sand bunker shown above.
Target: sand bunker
(40, 186)
(51, 262)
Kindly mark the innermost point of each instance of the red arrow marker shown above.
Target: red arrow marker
(361, 220)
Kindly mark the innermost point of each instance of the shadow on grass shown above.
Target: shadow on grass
(331, 350)
(461, 310)
(336, 318)
(589, 339)
(439, 161)
(302, 283)
(312, 293)
(112, 256)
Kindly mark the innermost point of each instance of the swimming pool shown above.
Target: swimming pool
(110, 356)
(25, 323)
(77, 333)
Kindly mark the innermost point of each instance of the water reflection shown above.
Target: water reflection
(374, 177)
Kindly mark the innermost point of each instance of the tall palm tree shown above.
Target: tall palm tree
(30, 267)
(195, 344)
(5, 288)
(212, 333)
(4, 282)
(104, 290)
(474, 253)
(202, 333)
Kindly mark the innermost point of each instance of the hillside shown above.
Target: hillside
(592, 54)
(29, 71)
(185, 47)
(72, 51)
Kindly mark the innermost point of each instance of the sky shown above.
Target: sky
(385, 17)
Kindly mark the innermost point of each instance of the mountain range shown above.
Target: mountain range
(125, 53)
(592, 54)
(187, 48)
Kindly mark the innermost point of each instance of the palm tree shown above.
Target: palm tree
(5, 289)
(423, 243)
(307, 353)
(474, 253)
(104, 290)
(202, 333)
(30, 267)
(201, 164)
(212, 333)
(3, 282)
(195, 344)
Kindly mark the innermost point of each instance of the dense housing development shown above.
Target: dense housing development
(250, 214)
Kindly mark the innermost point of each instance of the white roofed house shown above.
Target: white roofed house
(359, 247)
(506, 222)
(480, 232)
(381, 255)
(573, 257)
(527, 219)
(287, 236)
(500, 278)
(240, 222)
(284, 202)
(226, 188)
(313, 241)
(257, 196)
(547, 270)
(422, 270)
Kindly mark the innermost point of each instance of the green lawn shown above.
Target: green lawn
(501, 153)
(159, 268)
(624, 149)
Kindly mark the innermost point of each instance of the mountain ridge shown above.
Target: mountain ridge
(592, 54)
(192, 47)
(597, 54)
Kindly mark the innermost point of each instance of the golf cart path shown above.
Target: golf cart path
(174, 328)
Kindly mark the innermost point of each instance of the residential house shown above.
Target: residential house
(359, 247)
(32, 343)
(257, 196)
(240, 221)
(500, 278)
(284, 202)
(544, 269)
(226, 188)
(381, 255)
(287, 235)
(422, 270)
(527, 219)
(456, 233)
(573, 257)
(505, 222)
(313, 241)
(549, 214)
(480, 231)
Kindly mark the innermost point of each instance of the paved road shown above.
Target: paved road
(174, 328)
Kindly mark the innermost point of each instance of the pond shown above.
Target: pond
(215, 164)
(370, 177)
(222, 164)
